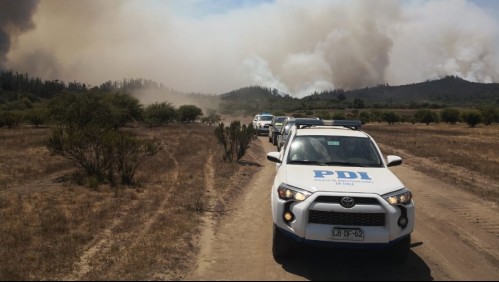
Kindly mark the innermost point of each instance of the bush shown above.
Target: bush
(390, 117)
(212, 119)
(159, 113)
(189, 113)
(131, 153)
(472, 118)
(102, 153)
(235, 139)
(364, 117)
(426, 116)
(88, 135)
(450, 115)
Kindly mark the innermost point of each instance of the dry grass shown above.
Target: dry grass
(54, 229)
(467, 157)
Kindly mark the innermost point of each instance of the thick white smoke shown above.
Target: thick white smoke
(295, 46)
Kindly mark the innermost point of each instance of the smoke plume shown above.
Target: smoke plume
(15, 18)
(295, 46)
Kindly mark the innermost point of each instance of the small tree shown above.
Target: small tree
(235, 139)
(36, 116)
(212, 119)
(364, 117)
(88, 135)
(189, 113)
(450, 115)
(391, 117)
(124, 109)
(89, 148)
(130, 153)
(159, 113)
(426, 116)
(10, 118)
(472, 118)
(489, 114)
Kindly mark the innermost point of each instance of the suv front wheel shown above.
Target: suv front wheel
(399, 252)
(281, 245)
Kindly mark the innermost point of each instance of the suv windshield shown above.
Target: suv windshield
(334, 150)
(266, 118)
(279, 119)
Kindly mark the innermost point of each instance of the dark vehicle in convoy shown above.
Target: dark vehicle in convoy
(282, 136)
(275, 128)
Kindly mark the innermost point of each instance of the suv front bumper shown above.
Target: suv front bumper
(316, 218)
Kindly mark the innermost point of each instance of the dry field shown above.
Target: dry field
(52, 228)
(466, 157)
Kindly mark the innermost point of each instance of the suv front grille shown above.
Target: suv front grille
(337, 200)
(348, 219)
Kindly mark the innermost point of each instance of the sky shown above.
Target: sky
(216, 46)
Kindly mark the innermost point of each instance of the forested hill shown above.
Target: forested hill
(449, 91)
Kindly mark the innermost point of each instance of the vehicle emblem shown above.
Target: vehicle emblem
(347, 202)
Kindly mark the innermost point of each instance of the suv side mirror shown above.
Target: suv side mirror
(393, 160)
(274, 157)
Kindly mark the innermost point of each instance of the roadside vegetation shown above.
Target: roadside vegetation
(235, 139)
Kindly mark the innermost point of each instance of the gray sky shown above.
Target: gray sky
(215, 46)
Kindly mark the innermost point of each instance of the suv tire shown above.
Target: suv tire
(281, 245)
(399, 252)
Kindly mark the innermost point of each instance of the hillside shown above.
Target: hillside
(447, 92)
(17, 90)
(450, 91)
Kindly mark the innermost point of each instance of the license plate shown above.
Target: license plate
(351, 234)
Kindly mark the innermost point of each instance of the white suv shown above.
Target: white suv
(261, 122)
(333, 187)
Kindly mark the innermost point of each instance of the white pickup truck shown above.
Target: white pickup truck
(333, 188)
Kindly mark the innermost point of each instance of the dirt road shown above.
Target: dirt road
(456, 238)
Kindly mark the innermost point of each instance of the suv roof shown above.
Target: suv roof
(339, 127)
(351, 124)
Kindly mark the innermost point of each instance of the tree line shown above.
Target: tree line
(472, 117)
(87, 125)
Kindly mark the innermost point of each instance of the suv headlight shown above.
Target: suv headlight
(290, 193)
(401, 197)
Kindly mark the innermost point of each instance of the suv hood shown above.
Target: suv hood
(379, 180)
